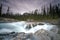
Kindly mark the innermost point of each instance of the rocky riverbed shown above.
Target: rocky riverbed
(39, 35)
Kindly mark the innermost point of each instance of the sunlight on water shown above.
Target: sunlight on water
(21, 27)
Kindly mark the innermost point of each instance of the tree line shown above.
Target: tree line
(51, 12)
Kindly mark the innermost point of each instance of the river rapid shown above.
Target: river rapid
(23, 26)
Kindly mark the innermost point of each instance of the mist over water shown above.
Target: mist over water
(21, 27)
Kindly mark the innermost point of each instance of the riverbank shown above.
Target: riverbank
(8, 20)
(52, 21)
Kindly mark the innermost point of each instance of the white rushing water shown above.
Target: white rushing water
(21, 27)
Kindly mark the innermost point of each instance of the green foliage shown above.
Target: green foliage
(53, 12)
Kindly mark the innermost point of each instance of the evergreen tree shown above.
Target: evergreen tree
(1, 10)
(50, 10)
(8, 11)
(44, 11)
(47, 11)
(57, 10)
(35, 12)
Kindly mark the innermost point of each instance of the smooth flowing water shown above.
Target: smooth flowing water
(22, 27)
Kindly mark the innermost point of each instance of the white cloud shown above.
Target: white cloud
(26, 5)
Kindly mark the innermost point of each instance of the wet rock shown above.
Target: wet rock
(47, 35)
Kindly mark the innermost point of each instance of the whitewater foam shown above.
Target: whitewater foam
(21, 27)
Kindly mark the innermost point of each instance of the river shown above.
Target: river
(30, 27)
(23, 26)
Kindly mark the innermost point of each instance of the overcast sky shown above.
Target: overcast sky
(21, 6)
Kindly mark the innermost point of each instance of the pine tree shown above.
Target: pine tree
(35, 12)
(50, 10)
(1, 10)
(44, 12)
(8, 11)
